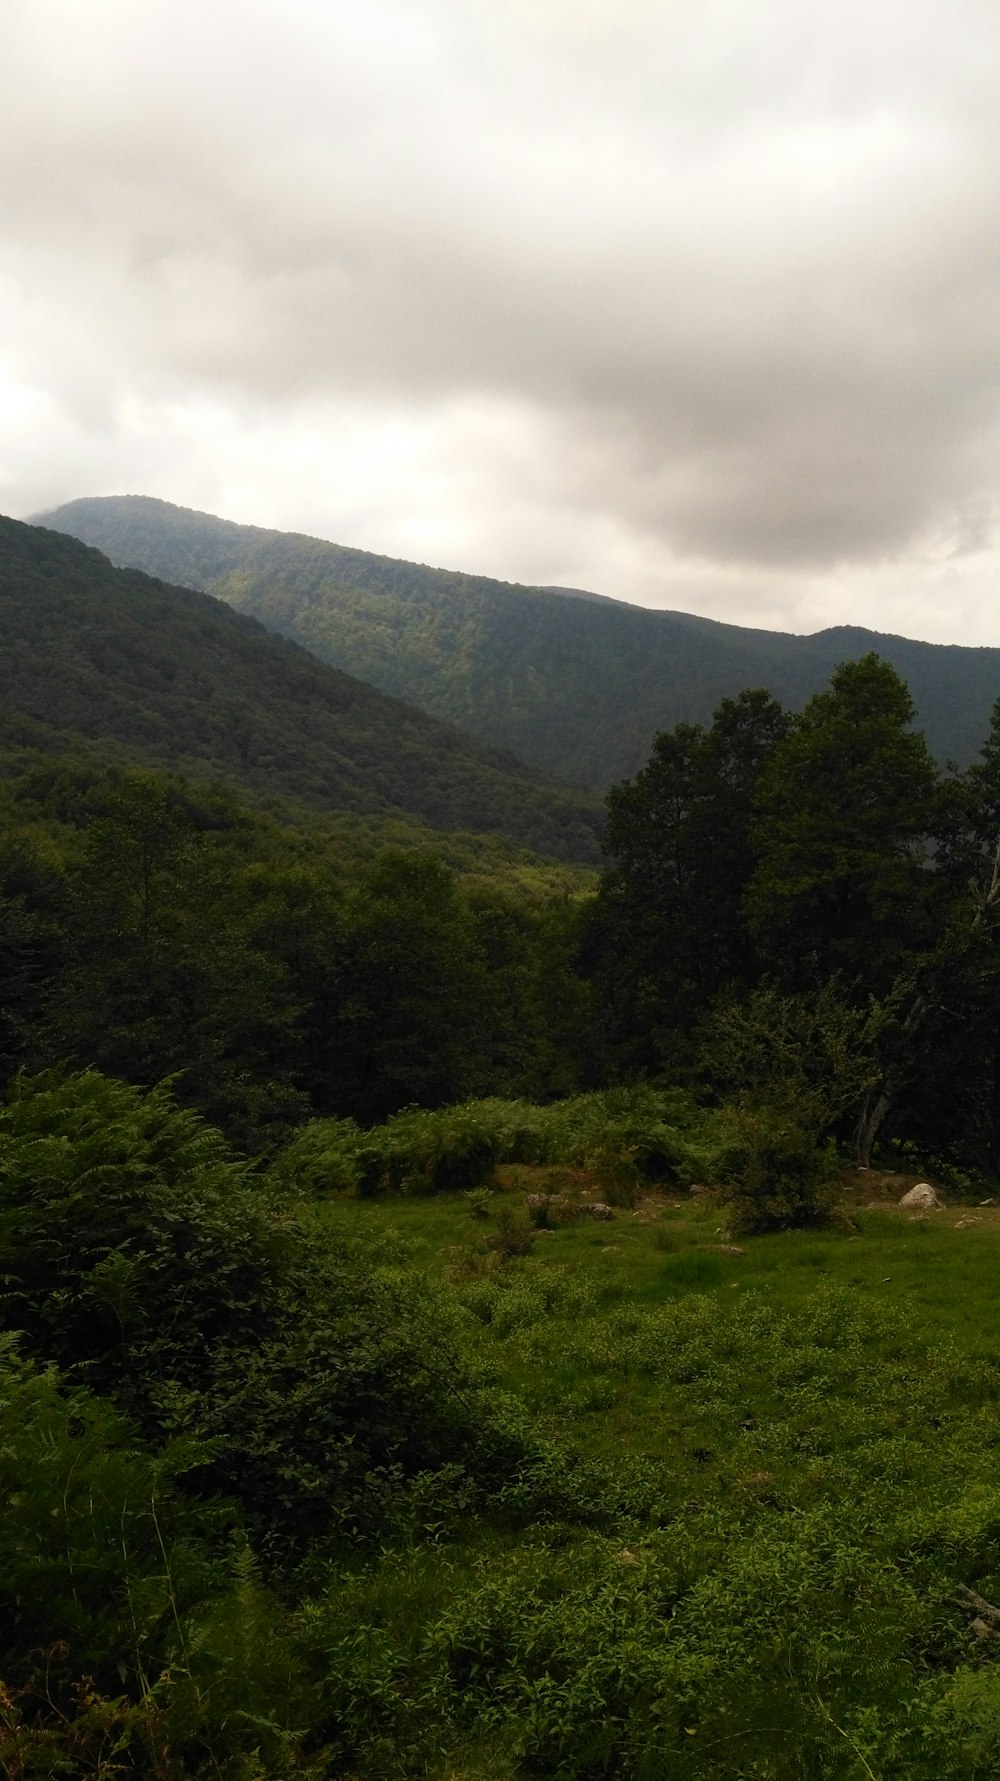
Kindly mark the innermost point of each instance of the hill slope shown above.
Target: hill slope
(576, 684)
(176, 678)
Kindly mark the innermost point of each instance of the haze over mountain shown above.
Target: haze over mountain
(174, 678)
(575, 683)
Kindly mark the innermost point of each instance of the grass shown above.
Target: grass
(571, 1327)
(792, 1447)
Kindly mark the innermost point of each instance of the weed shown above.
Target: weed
(512, 1238)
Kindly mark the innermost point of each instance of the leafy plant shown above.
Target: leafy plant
(141, 1259)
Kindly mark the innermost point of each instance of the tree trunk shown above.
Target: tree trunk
(877, 1105)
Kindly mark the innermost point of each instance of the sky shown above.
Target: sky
(698, 307)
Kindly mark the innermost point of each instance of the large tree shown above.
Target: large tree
(668, 933)
(848, 809)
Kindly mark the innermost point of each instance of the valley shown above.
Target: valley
(450, 1328)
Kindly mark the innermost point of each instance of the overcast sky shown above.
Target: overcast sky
(694, 306)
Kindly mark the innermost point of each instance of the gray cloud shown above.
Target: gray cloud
(711, 299)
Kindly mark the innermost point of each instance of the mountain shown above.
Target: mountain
(176, 678)
(576, 683)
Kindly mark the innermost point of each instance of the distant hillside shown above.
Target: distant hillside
(577, 684)
(173, 677)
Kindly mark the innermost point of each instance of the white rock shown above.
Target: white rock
(921, 1195)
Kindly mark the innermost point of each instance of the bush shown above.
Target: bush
(324, 1157)
(512, 1237)
(478, 1201)
(778, 1177)
(141, 1259)
(131, 1640)
(440, 1152)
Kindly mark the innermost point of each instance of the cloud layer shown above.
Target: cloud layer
(696, 310)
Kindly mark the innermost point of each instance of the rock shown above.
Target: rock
(597, 1209)
(921, 1195)
(534, 1201)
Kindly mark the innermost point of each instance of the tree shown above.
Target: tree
(847, 813)
(166, 977)
(668, 933)
(404, 1026)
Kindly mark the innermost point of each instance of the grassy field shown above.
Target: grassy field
(772, 1466)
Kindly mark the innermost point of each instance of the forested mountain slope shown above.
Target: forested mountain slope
(175, 678)
(576, 684)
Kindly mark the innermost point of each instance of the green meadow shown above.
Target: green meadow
(772, 1467)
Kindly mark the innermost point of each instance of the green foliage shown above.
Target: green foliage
(421, 1152)
(406, 1026)
(83, 1573)
(787, 1597)
(813, 1054)
(775, 1175)
(667, 933)
(679, 1524)
(847, 809)
(512, 1238)
(792, 1066)
(140, 1259)
(324, 1157)
(627, 1135)
(157, 928)
(129, 1644)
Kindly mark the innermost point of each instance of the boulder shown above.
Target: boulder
(921, 1197)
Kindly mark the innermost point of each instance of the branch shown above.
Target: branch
(984, 1609)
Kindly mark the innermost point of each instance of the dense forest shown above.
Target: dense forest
(579, 686)
(176, 678)
(381, 1392)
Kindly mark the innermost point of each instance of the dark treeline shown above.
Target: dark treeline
(153, 928)
(821, 862)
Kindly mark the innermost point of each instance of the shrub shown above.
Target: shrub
(478, 1201)
(130, 1640)
(629, 1136)
(512, 1237)
(779, 1178)
(141, 1258)
(324, 1157)
(435, 1152)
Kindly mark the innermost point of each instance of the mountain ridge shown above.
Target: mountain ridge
(577, 684)
(182, 680)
